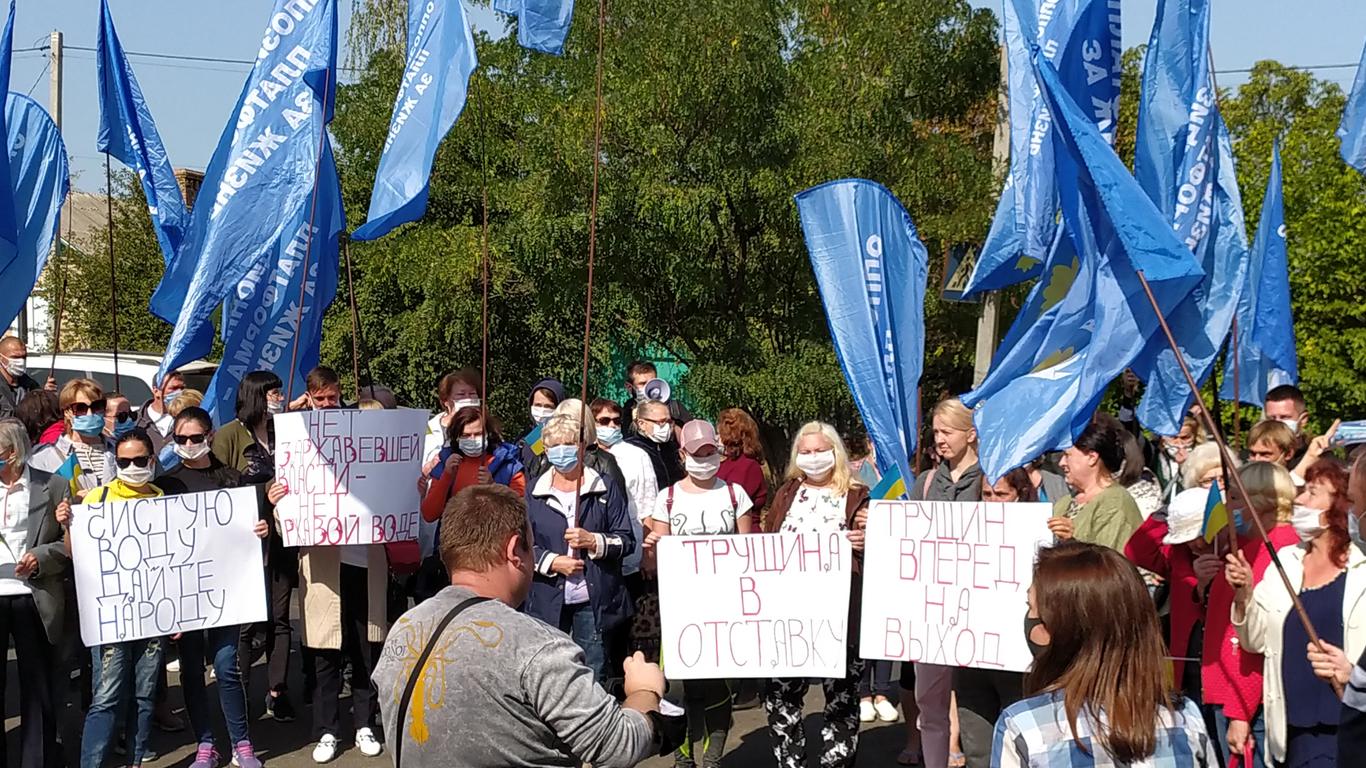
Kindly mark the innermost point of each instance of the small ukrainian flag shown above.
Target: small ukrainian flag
(891, 486)
(1216, 514)
(533, 439)
(71, 470)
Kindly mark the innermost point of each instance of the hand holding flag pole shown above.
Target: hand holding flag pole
(1226, 457)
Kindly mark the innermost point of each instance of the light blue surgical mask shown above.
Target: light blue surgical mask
(609, 436)
(122, 428)
(171, 396)
(563, 457)
(90, 425)
(1354, 528)
(3, 462)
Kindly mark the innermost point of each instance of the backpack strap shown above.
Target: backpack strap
(417, 672)
(734, 504)
(669, 502)
(929, 478)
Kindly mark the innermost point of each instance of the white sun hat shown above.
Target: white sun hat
(1186, 516)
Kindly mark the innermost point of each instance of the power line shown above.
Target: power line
(182, 57)
(1306, 67)
(39, 78)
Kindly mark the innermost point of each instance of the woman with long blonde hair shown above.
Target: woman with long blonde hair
(820, 494)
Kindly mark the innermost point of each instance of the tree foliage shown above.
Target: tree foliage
(716, 114)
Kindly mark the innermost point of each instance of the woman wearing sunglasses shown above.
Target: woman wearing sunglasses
(118, 666)
(199, 470)
(83, 407)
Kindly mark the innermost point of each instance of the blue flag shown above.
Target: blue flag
(1184, 161)
(1266, 329)
(1043, 391)
(128, 134)
(9, 224)
(441, 59)
(871, 269)
(1352, 129)
(261, 176)
(1082, 39)
(542, 25)
(262, 317)
(40, 180)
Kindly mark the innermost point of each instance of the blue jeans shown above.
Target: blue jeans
(581, 625)
(121, 671)
(219, 647)
(1258, 735)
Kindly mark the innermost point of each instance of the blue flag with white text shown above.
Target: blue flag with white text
(441, 59)
(1265, 346)
(542, 25)
(1352, 130)
(1082, 39)
(128, 133)
(871, 269)
(1044, 390)
(40, 180)
(1184, 161)
(9, 224)
(262, 316)
(261, 176)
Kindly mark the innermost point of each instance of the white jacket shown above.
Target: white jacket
(1262, 631)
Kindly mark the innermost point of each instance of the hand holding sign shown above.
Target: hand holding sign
(63, 513)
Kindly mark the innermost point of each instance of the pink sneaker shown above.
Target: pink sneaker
(205, 757)
(243, 756)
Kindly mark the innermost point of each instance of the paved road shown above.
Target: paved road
(290, 745)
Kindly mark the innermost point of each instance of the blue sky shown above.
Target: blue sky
(191, 101)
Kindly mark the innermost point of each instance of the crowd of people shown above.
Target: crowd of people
(523, 626)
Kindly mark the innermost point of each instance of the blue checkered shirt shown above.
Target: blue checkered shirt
(1035, 733)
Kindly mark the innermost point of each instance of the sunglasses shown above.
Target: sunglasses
(608, 421)
(187, 439)
(123, 416)
(82, 409)
(141, 462)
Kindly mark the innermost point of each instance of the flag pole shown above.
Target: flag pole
(61, 309)
(484, 250)
(355, 320)
(1237, 392)
(113, 275)
(1226, 456)
(308, 244)
(592, 248)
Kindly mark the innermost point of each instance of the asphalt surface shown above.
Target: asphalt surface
(290, 745)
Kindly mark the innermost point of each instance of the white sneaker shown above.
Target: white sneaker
(886, 711)
(368, 744)
(866, 713)
(326, 749)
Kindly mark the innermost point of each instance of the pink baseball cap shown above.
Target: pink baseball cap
(698, 433)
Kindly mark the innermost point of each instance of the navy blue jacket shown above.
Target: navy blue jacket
(603, 511)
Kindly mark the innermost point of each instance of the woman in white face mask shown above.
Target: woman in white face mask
(1302, 711)
(822, 495)
(701, 504)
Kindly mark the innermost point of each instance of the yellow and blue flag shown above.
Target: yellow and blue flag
(1216, 515)
(533, 439)
(891, 486)
(71, 470)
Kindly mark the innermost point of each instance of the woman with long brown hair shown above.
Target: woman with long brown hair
(1099, 691)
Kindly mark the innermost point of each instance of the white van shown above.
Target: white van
(137, 371)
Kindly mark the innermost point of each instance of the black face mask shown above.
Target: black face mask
(1035, 649)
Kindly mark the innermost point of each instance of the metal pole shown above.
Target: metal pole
(1226, 456)
(308, 247)
(355, 320)
(113, 272)
(1237, 391)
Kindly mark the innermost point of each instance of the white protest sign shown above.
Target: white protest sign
(755, 605)
(946, 582)
(351, 475)
(154, 567)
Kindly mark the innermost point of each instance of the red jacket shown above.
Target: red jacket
(1175, 564)
(1230, 676)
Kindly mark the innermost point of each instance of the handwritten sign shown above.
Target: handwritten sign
(756, 605)
(946, 582)
(154, 567)
(351, 475)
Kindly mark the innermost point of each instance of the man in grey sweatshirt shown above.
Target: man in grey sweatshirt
(501, 688)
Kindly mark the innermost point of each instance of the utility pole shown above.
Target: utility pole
(988, 324)
(54, 108)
